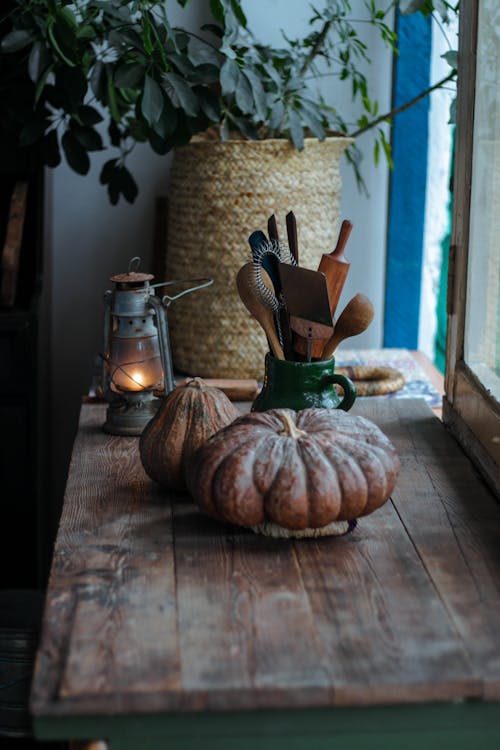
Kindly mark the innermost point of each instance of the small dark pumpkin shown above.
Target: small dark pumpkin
(295, 470)
(186, 418)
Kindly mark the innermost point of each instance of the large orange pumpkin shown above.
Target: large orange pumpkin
(297, 470)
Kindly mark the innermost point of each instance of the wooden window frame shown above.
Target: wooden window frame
(469, 409)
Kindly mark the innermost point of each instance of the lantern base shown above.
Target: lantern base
(129, 414)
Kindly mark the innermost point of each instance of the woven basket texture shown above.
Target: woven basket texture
(219, 193)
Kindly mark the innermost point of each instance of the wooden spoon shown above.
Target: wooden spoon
(245, 281)
(354, 319)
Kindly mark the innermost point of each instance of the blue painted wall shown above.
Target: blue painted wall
(408, 182)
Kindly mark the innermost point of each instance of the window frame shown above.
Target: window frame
(469, 409)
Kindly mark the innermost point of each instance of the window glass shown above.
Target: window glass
(482, 330)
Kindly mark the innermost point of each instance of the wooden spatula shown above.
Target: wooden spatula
(354, 319)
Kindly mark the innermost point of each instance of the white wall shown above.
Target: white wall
(89, 239)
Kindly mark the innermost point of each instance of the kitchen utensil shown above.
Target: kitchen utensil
(264, 288)
(236, 389)
(291, 231)
(266, 258)
(245, 281)
(308, 304)
(272, 229)
(262, 252)
(354, 319)
(335, 267)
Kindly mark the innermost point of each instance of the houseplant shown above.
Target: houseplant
(66, 66)
(70, 69)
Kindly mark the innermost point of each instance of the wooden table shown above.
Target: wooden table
(165, 629)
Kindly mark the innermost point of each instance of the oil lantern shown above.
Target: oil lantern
(137, 360)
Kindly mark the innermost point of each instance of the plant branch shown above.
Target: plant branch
(318, 44)
(403, 107)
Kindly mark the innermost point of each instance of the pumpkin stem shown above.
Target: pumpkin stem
(196, 383)
(290, 429)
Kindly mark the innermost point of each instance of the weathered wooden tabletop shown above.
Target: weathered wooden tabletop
(154, 609)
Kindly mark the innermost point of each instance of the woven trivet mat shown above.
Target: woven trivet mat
(373, 381)
(335, 528)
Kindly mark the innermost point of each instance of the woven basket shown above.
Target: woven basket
(219, 193)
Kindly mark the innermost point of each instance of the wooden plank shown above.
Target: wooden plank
(12, 245)
(246, 630)
(454, 523)
(381, 622)
(112, 560)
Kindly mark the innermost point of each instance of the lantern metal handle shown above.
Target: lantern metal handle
(199, 283)
(164, 342)
(134, 264)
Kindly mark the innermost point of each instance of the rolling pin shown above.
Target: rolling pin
(335, 267)
(235, 390)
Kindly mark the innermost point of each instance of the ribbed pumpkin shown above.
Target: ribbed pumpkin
(186, 418)
(297, 470)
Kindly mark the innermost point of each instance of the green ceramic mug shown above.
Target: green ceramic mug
(303, 385)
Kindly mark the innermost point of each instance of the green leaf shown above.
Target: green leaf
(296, 130)
(41, 83)
(187, 98)
(50, 149)
(217, 11)
(115, 134)
(32, 132)
(244, 96)
(313, 122)
(247, 128)
(127, 184)
(238, 12)
(111, 98)
(451, 58)
(62, 36)
(183, 65)
(38, 61)
(277, 115)
(201, 53)
(15, 40)
(273, 74)
(165, 126)
(229, 76)
(88, 115)
(72, 83)
(376, 152)
(97, 80)
(128, 76)
(87, 137)
(214, 29)
(75, 154)
(205, 75)
(152, 101)
(387, 149)
(209, 104)
(86, 32)
(107, 171)
(259, 95)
